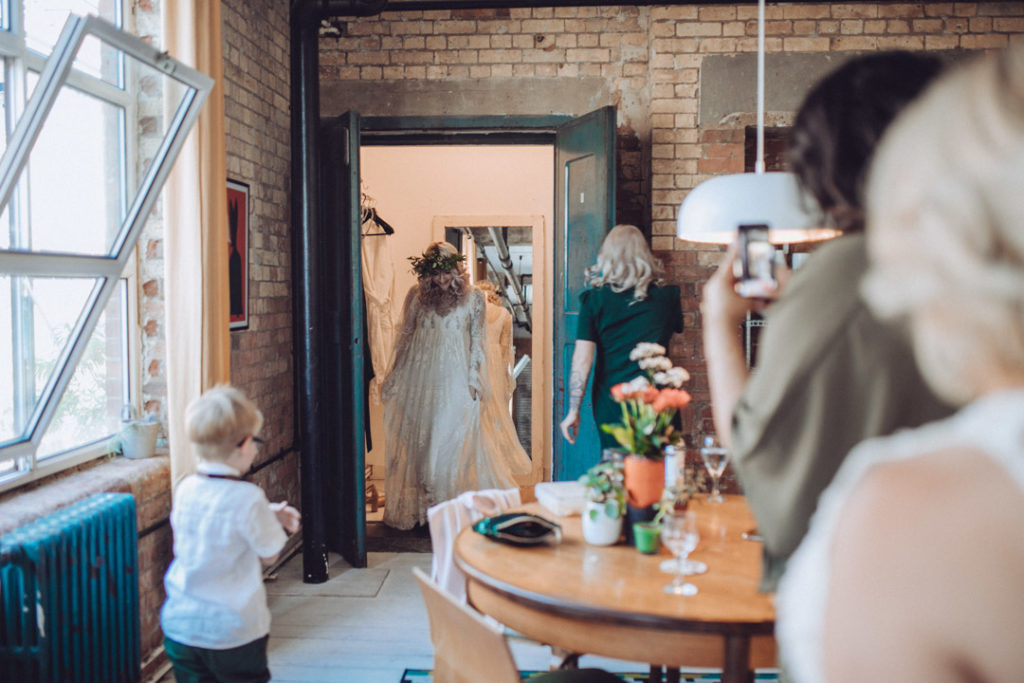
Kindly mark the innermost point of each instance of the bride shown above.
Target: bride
(433, 392)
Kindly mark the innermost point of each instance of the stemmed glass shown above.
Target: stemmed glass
(679, 534)
(715, 457)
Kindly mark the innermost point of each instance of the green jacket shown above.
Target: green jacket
(828, 375)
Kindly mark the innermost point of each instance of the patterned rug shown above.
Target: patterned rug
(423, 676)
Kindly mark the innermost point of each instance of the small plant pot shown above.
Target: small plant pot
(646, 536)
(645, 480)
(598, 527)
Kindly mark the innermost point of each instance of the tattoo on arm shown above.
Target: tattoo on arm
(577, 385)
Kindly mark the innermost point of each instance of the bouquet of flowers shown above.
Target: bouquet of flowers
(649, 403)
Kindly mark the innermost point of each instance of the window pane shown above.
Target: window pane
(3, 102)
(90, 409)
(76, 177)
(37, 316)
(44, 20)
(79, 178)
(5, 228)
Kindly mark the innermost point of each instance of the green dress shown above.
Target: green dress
(616, 323)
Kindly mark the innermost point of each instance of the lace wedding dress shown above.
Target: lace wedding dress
(499, 432)
(435, 449)
(993, 425)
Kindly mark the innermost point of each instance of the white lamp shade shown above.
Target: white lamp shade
(715, 208)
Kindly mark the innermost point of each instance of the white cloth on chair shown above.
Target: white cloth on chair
(447, 519)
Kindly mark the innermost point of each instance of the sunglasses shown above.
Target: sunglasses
(255, 439)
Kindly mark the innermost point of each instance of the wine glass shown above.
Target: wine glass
(679, 534)
(715, 457)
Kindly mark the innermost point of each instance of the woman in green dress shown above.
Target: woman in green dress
(625, 304)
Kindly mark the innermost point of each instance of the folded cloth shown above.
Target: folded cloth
(447, 519)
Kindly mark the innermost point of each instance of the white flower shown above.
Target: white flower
(646, 350)
(672, 377)
(655, 363)
(637, 384)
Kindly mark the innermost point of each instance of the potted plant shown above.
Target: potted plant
(606, 503)
(649, 405)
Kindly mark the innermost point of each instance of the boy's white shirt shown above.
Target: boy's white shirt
(215, 594)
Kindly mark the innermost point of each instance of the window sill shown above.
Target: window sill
(148, 480)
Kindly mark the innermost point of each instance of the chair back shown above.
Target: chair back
(467, 649)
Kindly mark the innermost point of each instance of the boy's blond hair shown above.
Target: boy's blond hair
(219, 419)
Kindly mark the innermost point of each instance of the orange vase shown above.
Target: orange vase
(644, 480)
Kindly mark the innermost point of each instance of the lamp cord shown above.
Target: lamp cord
(759, 163)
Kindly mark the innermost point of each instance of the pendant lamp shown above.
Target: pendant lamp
(713, 210)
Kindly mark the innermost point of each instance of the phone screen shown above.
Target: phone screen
(757, 257)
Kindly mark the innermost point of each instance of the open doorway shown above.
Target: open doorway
(468, 194)
(334, 362)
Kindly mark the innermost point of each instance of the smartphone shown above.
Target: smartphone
(757, 262)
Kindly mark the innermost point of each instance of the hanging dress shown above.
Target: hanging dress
(435, 449)
(379, 290)
(499, 432)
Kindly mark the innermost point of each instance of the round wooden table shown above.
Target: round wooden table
(609, 600)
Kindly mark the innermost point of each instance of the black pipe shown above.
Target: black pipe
(306, 268)
(305, 275)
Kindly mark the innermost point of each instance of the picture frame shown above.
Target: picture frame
(238, 254)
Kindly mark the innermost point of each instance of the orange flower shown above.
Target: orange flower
(650, 395)
(670, 398)
(618, 392)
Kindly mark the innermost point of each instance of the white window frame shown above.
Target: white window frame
(55, 73)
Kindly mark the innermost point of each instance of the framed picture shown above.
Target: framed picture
(238, 253)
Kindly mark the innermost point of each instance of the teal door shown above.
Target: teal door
(344, 407)
(584, 212)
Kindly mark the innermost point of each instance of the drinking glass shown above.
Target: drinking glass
(689, 568)
(715, 457)
(679, 534)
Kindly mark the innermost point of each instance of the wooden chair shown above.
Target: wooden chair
(468, 649)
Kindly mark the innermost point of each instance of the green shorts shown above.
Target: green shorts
(243, 664)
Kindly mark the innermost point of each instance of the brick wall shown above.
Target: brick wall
(256, 91)
(649, 61)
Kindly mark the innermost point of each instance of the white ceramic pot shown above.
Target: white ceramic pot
(599, 528)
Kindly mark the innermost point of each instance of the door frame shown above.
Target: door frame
(485, 130)
(542, 334)
(489, 131)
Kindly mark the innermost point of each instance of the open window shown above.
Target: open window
(90, 135)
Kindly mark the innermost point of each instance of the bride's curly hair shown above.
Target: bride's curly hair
(442, 289)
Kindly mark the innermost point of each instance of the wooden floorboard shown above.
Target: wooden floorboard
(360, 629)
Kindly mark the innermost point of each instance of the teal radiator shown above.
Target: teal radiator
(69, 589)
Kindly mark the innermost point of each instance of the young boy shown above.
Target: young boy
(215, 620)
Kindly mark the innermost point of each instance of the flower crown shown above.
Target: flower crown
(435, 263)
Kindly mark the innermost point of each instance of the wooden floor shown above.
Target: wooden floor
(364, 625)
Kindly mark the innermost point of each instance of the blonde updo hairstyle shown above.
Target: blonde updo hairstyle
(625, 262)
(219, 419)
(490, 292)
(443, 291)
(946, 228)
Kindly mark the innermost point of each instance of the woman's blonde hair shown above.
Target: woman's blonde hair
(490, 292)
(443, 291)
(219, 419)
(945, 208)
(625, 262)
